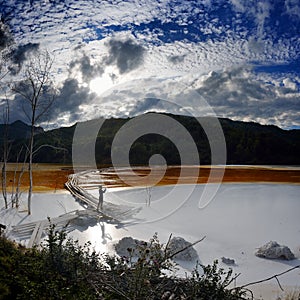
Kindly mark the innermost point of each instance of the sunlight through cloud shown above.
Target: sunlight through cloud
(102, 83)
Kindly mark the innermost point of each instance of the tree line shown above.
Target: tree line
(246, 143)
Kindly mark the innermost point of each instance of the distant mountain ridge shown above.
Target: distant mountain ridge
(18, 130)
(246, 143)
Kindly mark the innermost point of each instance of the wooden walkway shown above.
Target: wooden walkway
(77, 184)
(74, 187)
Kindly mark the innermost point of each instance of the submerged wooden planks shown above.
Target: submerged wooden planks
(35, 230)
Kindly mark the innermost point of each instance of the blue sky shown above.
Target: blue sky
(239, 59)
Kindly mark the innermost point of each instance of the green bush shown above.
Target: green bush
(56, 271)
(63, 269)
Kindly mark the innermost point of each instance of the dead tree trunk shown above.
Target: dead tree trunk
(15, 190)
(6, 148)
(30, 162)
(38, 98)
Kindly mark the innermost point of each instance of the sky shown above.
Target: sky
(230, 58)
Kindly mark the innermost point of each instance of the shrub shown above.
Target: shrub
(63, 269)
(56, 271)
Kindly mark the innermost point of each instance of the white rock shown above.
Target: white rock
(273, 250)
(127, 246)
(178, 243)
(175, 244)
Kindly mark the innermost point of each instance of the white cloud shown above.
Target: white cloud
(240, 95)
(292, 8)
(72, 28)
(258, 10)
(62, 27)
(234, 93)
(292, 85)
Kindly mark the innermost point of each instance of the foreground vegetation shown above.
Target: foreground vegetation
(62, 269)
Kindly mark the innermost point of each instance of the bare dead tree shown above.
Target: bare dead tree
(18, 174)
(6, 41)
(6, 150)
(36, 89)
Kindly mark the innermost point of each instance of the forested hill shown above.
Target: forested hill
(17, 130)
(247, 143)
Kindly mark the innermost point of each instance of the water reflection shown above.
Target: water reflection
(102, 236)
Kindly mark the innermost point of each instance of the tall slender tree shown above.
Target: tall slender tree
(37, 91)
(6, 149)
(5, 43)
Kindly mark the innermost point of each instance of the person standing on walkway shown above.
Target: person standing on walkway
(101, 192)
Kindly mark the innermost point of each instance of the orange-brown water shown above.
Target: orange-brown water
(47, 177)
(231, 174)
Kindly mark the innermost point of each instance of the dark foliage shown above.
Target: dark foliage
(54, 272)
(246, 143)
(62, 269)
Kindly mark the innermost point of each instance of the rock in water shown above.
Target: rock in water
(178, 243)
(228, 261)
(273, 250)
(127, 246)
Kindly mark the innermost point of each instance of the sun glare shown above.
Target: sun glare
(101, 84)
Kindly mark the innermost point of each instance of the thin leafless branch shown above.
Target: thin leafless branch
(269, 278)
(50, 146)
(183, 249)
